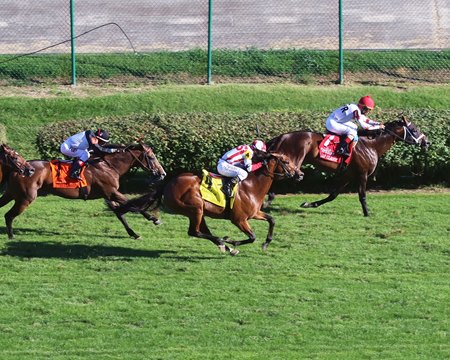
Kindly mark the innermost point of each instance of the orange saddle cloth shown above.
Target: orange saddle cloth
(60, 175)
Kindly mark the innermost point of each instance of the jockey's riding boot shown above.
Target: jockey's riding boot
(75, 170)
(228, 186)
(343, 148)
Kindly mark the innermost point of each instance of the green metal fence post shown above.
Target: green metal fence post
(209, 42)
(72, 43)
(341, 45)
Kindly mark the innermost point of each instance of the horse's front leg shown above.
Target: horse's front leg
(270, 199)
(199, 229)
(244, 226)
(17, 209)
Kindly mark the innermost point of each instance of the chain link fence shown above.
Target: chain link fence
(251, 41)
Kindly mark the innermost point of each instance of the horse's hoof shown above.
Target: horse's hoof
(157, 222)
(223, 248)
(305, 205)
(234, 252)
(265, 246)
(135, 236)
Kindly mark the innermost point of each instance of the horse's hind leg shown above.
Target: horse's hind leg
(150, 217)
(112, 204)
(362, 193)
(333, 195)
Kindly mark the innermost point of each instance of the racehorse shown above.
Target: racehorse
(12, 161)
(302, 147)
(182, 196)
(102, 179)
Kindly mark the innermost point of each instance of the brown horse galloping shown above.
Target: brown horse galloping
(182, 196)
(302, 147)
(102, 176)
(12, 161)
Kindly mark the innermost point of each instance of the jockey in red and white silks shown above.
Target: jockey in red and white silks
(341, 122)
(238, 161)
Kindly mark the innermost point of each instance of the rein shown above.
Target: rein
(406, 132)
(138, 160)
(8, 160)
(283, 165)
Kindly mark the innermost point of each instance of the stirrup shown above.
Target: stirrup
(76, 176)
(342, 150)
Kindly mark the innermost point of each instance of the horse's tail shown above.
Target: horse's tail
(148, 202)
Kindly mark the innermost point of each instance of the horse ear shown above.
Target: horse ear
(405, 120)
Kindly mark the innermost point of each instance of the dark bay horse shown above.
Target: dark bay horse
(182, 196)
(12, 161)
(102, 177)
(302, 147)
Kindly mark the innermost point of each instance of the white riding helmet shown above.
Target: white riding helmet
(259, 144)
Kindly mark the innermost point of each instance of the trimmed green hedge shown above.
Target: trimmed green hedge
(192, 141)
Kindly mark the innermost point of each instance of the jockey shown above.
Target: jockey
(78, 146)
(237, 163)
(341, 122)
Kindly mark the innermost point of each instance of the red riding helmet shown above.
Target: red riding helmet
(259, 144)
(366, 102)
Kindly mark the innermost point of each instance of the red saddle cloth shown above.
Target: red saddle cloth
(60, 175)
(328, 147)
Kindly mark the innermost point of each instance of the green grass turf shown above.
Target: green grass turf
(332, 285)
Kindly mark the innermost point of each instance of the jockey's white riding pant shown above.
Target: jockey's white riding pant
(349, 128)
(226, 169)
(81, 154)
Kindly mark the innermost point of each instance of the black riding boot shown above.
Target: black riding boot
(343, 148)
(228, 186)
(75, 170)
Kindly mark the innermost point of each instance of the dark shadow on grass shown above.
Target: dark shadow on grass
(21, 231)
(50, 250)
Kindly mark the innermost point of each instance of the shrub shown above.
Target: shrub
(192, 141)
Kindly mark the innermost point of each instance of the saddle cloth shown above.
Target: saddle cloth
(328, 147)
(211, 189)
(60, 175)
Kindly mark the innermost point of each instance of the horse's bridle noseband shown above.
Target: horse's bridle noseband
(407, 133)
(286, 174)
(147, 162)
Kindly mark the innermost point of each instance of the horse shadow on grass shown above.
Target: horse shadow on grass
(52, 250)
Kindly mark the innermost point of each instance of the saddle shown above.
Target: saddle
(211, 189)
(328, 147)
(60, 175)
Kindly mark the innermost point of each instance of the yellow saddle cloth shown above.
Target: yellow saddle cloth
(211, 190)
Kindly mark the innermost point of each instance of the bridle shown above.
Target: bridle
(407, 134)
(147, 163)
(11, 161)
(286, 171)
